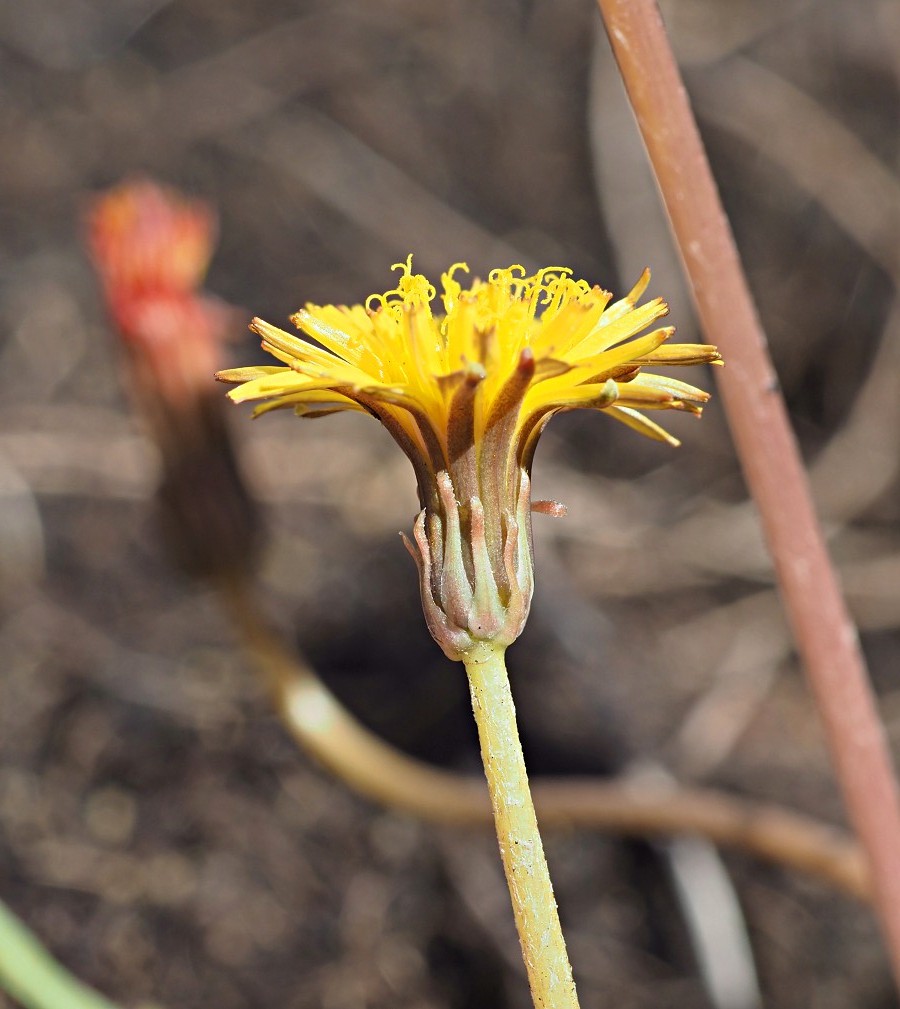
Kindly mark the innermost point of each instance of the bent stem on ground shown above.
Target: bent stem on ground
(644, 808)
(534, 906)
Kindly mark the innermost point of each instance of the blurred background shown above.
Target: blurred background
(158, 828)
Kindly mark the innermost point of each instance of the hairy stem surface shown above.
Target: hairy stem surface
(534, 905)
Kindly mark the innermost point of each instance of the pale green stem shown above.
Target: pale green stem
(534, 905)
(31, 975)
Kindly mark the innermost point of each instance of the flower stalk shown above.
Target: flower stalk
(521, 850)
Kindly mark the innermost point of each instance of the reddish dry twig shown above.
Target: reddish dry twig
(825, 635)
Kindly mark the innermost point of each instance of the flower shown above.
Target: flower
(151, 248)
(466, 393)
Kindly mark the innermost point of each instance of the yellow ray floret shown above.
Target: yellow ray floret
(510, 351)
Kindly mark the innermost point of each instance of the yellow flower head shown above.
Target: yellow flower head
(466, 393)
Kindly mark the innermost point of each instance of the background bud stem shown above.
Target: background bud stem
(534, 905)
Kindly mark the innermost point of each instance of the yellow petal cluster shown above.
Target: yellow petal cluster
(466, 391)
(411, 364)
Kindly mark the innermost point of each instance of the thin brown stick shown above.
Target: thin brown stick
(327, 731)
(825, 635)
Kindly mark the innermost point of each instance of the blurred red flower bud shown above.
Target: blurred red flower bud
(151, 248)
